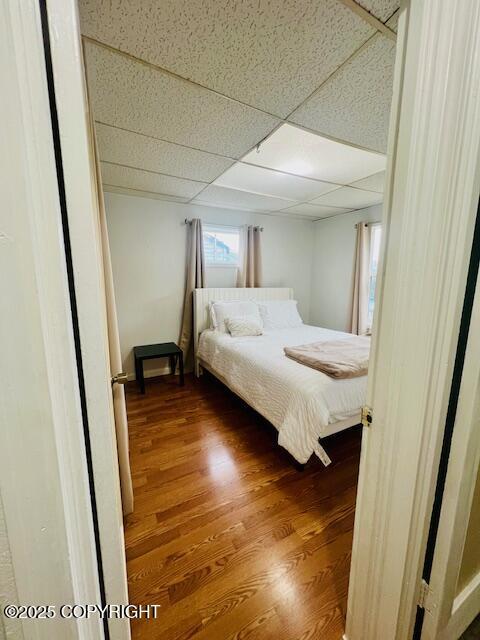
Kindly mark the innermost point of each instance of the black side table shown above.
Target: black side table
(163, 350)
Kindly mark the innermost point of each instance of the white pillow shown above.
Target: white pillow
(244, 326)
(280, 314)
(221, 310)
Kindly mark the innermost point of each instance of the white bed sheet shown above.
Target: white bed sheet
(299, 401)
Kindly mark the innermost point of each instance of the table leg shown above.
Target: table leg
(139, 374)
(182, 379)
(172, 364)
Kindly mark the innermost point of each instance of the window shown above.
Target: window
(221, 245)
(375, 238)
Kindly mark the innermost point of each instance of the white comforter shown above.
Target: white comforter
(299, 401)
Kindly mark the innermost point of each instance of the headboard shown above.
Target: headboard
(203, 297)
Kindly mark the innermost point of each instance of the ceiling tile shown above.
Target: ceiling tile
(372, 183)
(132, 95)
(142, 152)
(144, 194)
(354, 104)
(118, 176)
(304, 153)
(235, 199)
(315, 210)
(273, 183)
(393, 22)
(265, 53)
(350, 198)
(381, 9)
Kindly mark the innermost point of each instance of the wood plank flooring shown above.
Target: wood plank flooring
(228, 536)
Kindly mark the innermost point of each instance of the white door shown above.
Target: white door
(452, 571)
(430, 208)
(89, 280)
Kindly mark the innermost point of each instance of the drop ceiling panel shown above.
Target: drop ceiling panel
(350, 198)
(393, 22)
(265, 53)
(354, 104)
(135, 96)
(381, 9)
(144, 194)
(274, 183)
(234, 199)
(315, 211)
(307, 154)
(118, 176)
(142, 152)
(372, 183)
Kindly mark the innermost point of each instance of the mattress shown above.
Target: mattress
(299, 401)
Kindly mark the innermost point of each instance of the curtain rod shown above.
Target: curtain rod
(230, 226)
(367, 224)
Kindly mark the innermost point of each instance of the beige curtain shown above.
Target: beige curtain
(250, 270)
(361, 281)
(119, 406)
(195, 279)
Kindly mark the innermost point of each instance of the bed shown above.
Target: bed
(303, 404)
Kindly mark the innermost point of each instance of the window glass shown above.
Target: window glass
(221, 245)
(375, 238)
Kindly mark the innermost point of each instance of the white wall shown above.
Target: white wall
(332, 267)
(148, 242)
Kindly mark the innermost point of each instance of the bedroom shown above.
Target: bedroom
(272, 116)
(218, 207)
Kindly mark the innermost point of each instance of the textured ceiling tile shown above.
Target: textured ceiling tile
(350, 198)
(381, 9)
(144, 194)
(135, 96)
(372, 183)
(118, 176)
(135, 150)
(315, 210)
(266, 53)
(393, 22)
(236, 199)
(248, 177)
(354, 104)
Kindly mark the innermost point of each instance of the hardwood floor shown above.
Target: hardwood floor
(228, 536)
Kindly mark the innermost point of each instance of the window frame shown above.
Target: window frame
(221, 228)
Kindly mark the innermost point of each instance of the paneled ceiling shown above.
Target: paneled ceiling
(279, 106)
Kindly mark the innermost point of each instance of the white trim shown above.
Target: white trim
(465, 609)
(89, 288)
(460, 484)
(430, 207)
(43, 471)
(152, 373)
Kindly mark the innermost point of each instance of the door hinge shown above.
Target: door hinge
(120, 378)
(423, 595)
(367, 416)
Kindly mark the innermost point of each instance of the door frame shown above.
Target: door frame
(81, 198)
(47, 537)
(449, 612)
(429, 216)
(432, 188)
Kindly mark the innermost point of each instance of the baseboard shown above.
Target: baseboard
(153, 373)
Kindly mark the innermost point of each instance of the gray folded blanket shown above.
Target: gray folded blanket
(346, 358)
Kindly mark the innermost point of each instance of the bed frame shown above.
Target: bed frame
(201, 308)
(201, 321)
